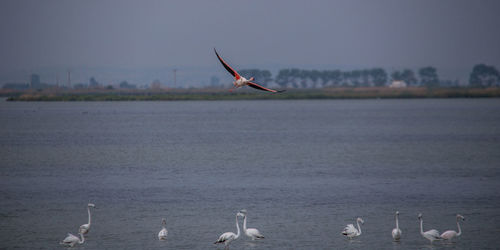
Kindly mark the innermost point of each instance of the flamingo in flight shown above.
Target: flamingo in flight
(240, 81)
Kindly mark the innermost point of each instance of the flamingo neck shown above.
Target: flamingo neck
(245, 223)
(88, 210)
(237, 228)
(359, 228)
(459, 229)
(82, 240)
(397, 222)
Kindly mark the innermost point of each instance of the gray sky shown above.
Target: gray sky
(451, 34)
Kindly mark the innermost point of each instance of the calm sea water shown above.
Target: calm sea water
(302, 169)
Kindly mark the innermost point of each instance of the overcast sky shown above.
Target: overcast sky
(144, 34)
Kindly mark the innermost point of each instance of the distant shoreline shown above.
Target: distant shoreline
(247, 94)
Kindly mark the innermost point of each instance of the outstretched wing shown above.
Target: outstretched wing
(228, 68)
(257, 86)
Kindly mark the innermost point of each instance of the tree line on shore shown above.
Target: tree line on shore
(481, 76)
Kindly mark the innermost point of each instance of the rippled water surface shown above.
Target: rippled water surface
(302, 169)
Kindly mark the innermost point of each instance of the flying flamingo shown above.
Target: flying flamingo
(84, 229)
(228, 237)
(431, 235)
(240, 81)
(396, 232)
(250, 232)
(71, 240)
(350, 231)
(450, 234)
(162, 235)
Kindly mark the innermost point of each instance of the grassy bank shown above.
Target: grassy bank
(243, 94)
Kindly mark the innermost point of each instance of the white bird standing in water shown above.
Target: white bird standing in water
(431, 235)
(85, 228)
(350, 231)
(162, 235)
(396, 232)
(450, 234)
(228, 237)
(71, 240)
(250, 232)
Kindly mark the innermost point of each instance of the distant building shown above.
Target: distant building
(156, 84)
(35, 81)
(398, 84)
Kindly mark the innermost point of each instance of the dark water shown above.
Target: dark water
(302, 169)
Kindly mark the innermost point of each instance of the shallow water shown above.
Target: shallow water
(302, 169)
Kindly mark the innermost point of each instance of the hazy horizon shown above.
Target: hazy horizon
(50, 37)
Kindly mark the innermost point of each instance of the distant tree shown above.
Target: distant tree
(408, 76)
(325, 77)
(356, 77)
(379, 77)
(365, 78)
(304, 76)
(396, 76)
(428, 77)
(346, 78)
(295, 75)
(93, 83)
(314, 75)
(484, 76)
(282, 78)
(336, 77)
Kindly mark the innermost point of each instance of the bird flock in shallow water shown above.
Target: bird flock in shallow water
(350, 231)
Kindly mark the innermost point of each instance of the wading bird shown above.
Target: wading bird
(250, 232)
(396, 232)
(228, 237)
(85, 228)
(350, 231)
(431, 235)
(162, 235)
(450, 234)
(240, 81)
(71, 240)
